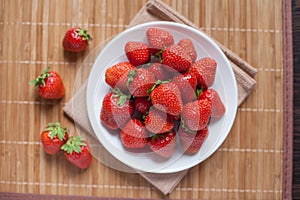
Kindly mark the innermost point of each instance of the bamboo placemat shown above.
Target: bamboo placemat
(249, 165)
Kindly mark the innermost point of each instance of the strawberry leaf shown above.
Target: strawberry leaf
(84, 34)
(131, 75)
(56, 129)
(74, 143)
(185, 127)
(40, 80)
(122, 97)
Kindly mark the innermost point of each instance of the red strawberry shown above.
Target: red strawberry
(160, 72)
(137, 53)
(142, 104)
(158, 121)
(158, 39)
(140, 81)
(188, 46)
(116, 75)
(205, 70)
(134, 134)
(195, 115)
(218, 108)
(166, 97)
(187, 84)
(116, 110)
(77, 151)
(176, 58)
(163, 144)
(53, 137)
(191, 142)
(49, 85)
(76, 39)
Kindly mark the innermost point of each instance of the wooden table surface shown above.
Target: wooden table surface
(249, 164)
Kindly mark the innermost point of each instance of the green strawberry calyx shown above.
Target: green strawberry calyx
(131, 75)
(122, 97)
(157, 83)
(40, 80)
(56, 130)
(185, 127)
(74, 143)
(199, 91)
(84, 34)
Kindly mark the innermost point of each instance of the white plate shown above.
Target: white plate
(224, 83)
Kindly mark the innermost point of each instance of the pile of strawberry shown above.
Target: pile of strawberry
(162, 92)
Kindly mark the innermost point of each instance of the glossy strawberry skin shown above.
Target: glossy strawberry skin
(53, 88)
(163, 144)
(196, 114)
(187, 83)
(134, 134)
(205, 70)
(158, 39)
(166, 97)
(176, 58)
(158, 122)
(116, 75)
(189, 47)
(52, 146)
(112, 114)
(137, 53)
(160, 71)
(142, 104)
(83, 159)
(49, 85)
(191, 142)
(218, 108)
(76, 40)
(140, 81)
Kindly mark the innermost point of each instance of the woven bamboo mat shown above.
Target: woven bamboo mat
(249, 164)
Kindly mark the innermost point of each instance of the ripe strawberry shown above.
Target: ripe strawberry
(158, 39)
(116, 75)
(134, 134)
(49, 85)
(191, 142)
(140, 81)
(158, 121)
(195, 115)
(163, 144)
(137, 53)
(188, 46)
(176, 58)
(218, 108)
(76, 39)
(53, 137)
(142, 104)
(116, 110)
(166, 97)
(187, 84)
(160, 72)
(205, 70)
(77, 151)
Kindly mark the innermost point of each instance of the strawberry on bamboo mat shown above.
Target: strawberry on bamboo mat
(49, 85)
